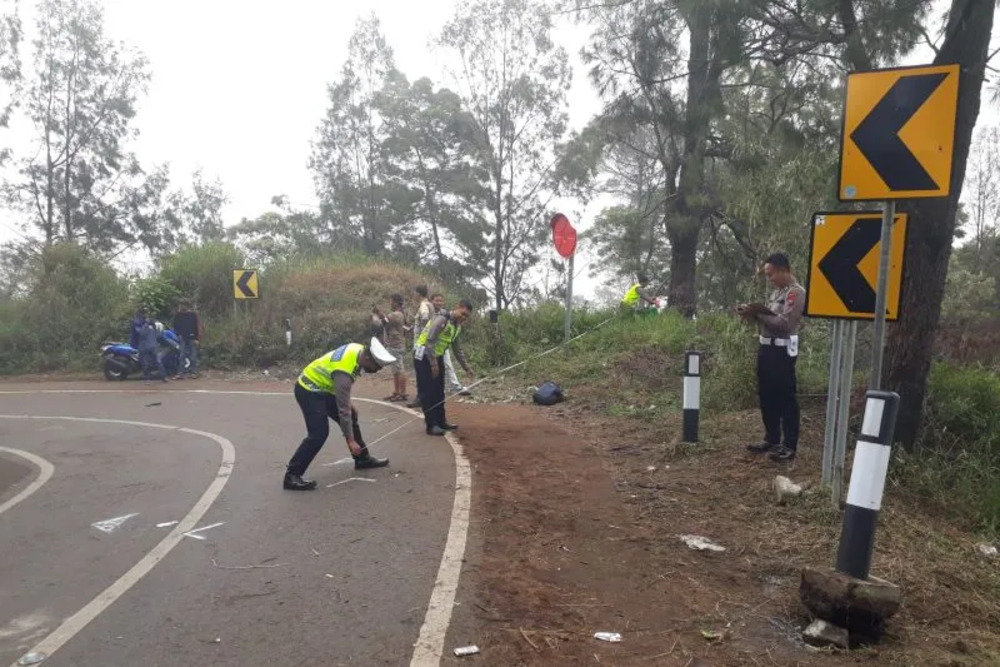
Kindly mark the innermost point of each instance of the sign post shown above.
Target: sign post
(845, 269)
(564, 238)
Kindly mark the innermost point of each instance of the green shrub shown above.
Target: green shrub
(204, 274)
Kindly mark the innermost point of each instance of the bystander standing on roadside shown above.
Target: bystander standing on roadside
(395, 342)
(187, 326)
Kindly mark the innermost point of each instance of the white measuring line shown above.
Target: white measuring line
(350, 479)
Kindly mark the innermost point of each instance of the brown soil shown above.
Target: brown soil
(577, 532)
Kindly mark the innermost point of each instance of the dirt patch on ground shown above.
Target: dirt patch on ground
(578, 524)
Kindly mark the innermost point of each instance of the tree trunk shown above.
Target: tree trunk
(932, 224)
(683, 259)
(702, 99)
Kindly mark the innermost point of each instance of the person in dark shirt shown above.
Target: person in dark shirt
(149, 349)
(187, 326)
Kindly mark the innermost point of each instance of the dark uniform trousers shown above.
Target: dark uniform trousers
(431, 390)
(317, 409)
(779, 406)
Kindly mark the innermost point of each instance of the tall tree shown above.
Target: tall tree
(513, 80)
(966, 41)
(435, 172)
(347, 161)
(10, 63)
(982, 198)
(83, 185)
(197, 216)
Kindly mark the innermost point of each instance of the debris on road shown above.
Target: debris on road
(987, 549)
(699, 543)
(822, 634)
(246, 567)
(31, 658)
(153, 405)
(466, 650)
(315, 553)
(608, 636)
(784, 488)
(711, 635)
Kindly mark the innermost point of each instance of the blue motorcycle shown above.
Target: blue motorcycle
(121, 359)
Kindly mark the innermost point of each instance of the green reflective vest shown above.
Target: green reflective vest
(445, 339)
(318, 375)
(632, 295)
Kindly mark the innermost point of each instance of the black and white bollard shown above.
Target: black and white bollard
(692, 395)
(864, 495)
(288, 332)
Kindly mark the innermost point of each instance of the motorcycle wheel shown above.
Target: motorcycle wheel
(112, 374)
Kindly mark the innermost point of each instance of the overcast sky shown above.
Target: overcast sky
(238, 88)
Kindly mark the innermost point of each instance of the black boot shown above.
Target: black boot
(365, 460)
(296, 483)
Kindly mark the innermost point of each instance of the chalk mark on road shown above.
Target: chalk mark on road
(350, 479)
(194, 533)
(110, 525)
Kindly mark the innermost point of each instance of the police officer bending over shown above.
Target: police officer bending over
(324, 392)
(779, 347)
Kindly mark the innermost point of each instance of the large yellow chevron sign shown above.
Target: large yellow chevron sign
(899, 133)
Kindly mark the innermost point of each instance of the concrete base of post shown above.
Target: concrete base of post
(861, 606)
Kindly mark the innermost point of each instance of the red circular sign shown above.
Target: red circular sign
(563, 235)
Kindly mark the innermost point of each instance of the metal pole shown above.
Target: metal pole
(836, 346)
(864, 498)
(569, 302)
(878, 331)
(844, 410)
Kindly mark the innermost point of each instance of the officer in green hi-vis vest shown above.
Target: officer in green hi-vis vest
(638, 296)
(323, 392)
(440, 334)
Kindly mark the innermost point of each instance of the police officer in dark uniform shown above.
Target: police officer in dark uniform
(778, 321)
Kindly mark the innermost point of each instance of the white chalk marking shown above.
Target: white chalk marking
(350, 479)
(194, 533)
(110, 525)
(340, 462)
(166, 524)
(430, 644)
(78, 621)
(45, 470)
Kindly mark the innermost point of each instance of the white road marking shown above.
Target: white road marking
(430, 643)
(109, 525)
(45, 470)
(350, 479)
(78, 621)
(194, 533)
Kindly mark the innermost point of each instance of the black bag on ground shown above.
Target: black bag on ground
(548, 393)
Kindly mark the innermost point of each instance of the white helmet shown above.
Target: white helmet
(381, 354)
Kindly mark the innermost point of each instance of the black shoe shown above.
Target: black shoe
(762, 447)
(435, 430)
(415, 403)
(449, 427)
(296, 483)
(783, 454)
(369, 461)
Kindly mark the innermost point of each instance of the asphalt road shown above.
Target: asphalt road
(338, 576)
